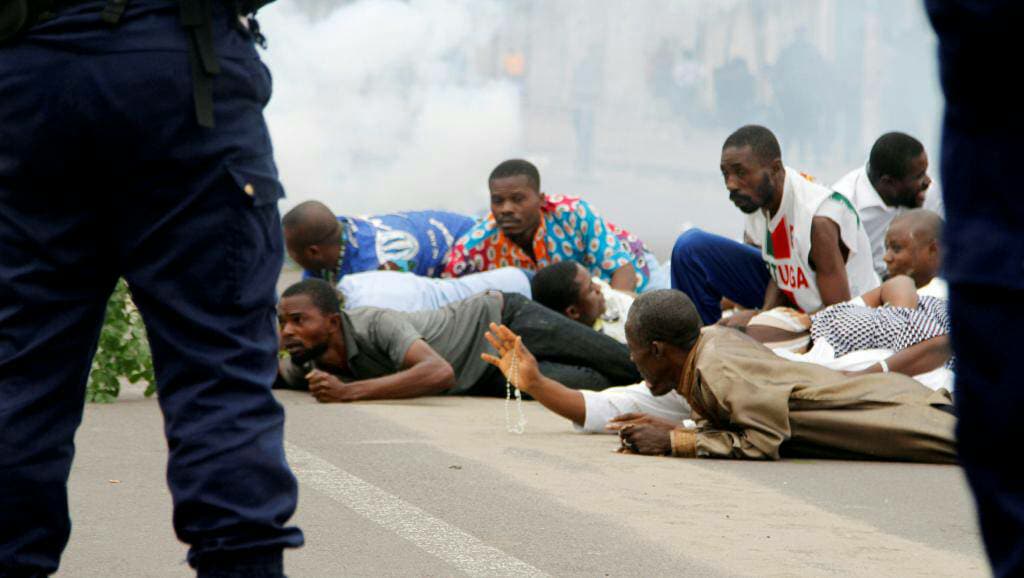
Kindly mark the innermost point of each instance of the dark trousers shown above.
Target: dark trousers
(567, 351)
(104, 172)
(990, 405)
(708, 267)
(984, 259)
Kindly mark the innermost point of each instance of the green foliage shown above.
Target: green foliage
(123, 351)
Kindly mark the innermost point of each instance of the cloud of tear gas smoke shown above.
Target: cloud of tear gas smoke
(381, 105)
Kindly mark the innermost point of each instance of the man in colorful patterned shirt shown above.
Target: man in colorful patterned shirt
(330, 247)
(529, 230)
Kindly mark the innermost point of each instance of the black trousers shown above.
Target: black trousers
(567, 351)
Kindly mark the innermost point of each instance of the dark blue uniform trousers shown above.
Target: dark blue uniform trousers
(104, 172)
(708, 267)
(984, 259)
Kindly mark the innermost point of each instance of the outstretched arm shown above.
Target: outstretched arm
(526, 375)
(919, 358)
(423, 372)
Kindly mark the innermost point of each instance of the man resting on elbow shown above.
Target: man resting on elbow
(371, 353)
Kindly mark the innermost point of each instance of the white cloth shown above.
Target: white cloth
(617, 304)
(785, 240)
(936, 288)
(823, 354)
(875, 215)
(410, 292)
(615, 401)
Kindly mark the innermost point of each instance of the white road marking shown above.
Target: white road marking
(433, 535)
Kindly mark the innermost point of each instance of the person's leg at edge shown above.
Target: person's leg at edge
(708, 267)
(989, 402)
(55, 279)
(49, 330)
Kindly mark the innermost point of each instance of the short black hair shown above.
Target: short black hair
(666, 315)
(311, 222)
(555, 286)
(515, 168)
(760, 140)
(324, 296)
(891, 155)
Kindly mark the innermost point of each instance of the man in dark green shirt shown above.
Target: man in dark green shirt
(371, 353)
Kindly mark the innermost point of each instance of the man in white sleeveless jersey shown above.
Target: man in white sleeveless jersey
(805, 244)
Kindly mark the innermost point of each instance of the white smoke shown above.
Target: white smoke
(380, 105)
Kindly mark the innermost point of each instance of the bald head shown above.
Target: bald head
(913, 245)
(311, 236)
(661, 329)
(309, 222)
(923, 225)
(666, 315)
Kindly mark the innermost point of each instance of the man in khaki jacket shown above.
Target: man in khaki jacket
(749, 403)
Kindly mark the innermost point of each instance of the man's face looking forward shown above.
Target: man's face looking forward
(305, 330)
(515, 205)
(747, 178)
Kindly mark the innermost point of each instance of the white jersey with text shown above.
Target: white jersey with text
(785, 240)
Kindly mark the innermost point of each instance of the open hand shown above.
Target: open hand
(506, 342)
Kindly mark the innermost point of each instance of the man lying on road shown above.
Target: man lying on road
(750, 403)
(372, 353)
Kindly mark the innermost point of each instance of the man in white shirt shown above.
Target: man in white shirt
(810, 239)
(894, 179)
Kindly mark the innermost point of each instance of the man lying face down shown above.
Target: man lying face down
(371, 353)
(750, 403)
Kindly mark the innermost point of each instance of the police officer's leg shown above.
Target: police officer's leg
(53, 292)
(208, 298)
(708, 267)
(55, 276)
(203, 253)
(989, 402)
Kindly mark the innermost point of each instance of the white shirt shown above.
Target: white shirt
(602, 406)
(410, 292)
(937, 287)
(875, 215)
(785, 240)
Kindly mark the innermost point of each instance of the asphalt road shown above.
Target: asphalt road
(437, 487)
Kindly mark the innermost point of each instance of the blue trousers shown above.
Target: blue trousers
(104, 172)
(708, 267)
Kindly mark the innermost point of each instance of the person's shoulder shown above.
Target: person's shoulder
(848, 182)
(481, 231)
(561, 204)
(362, 319)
